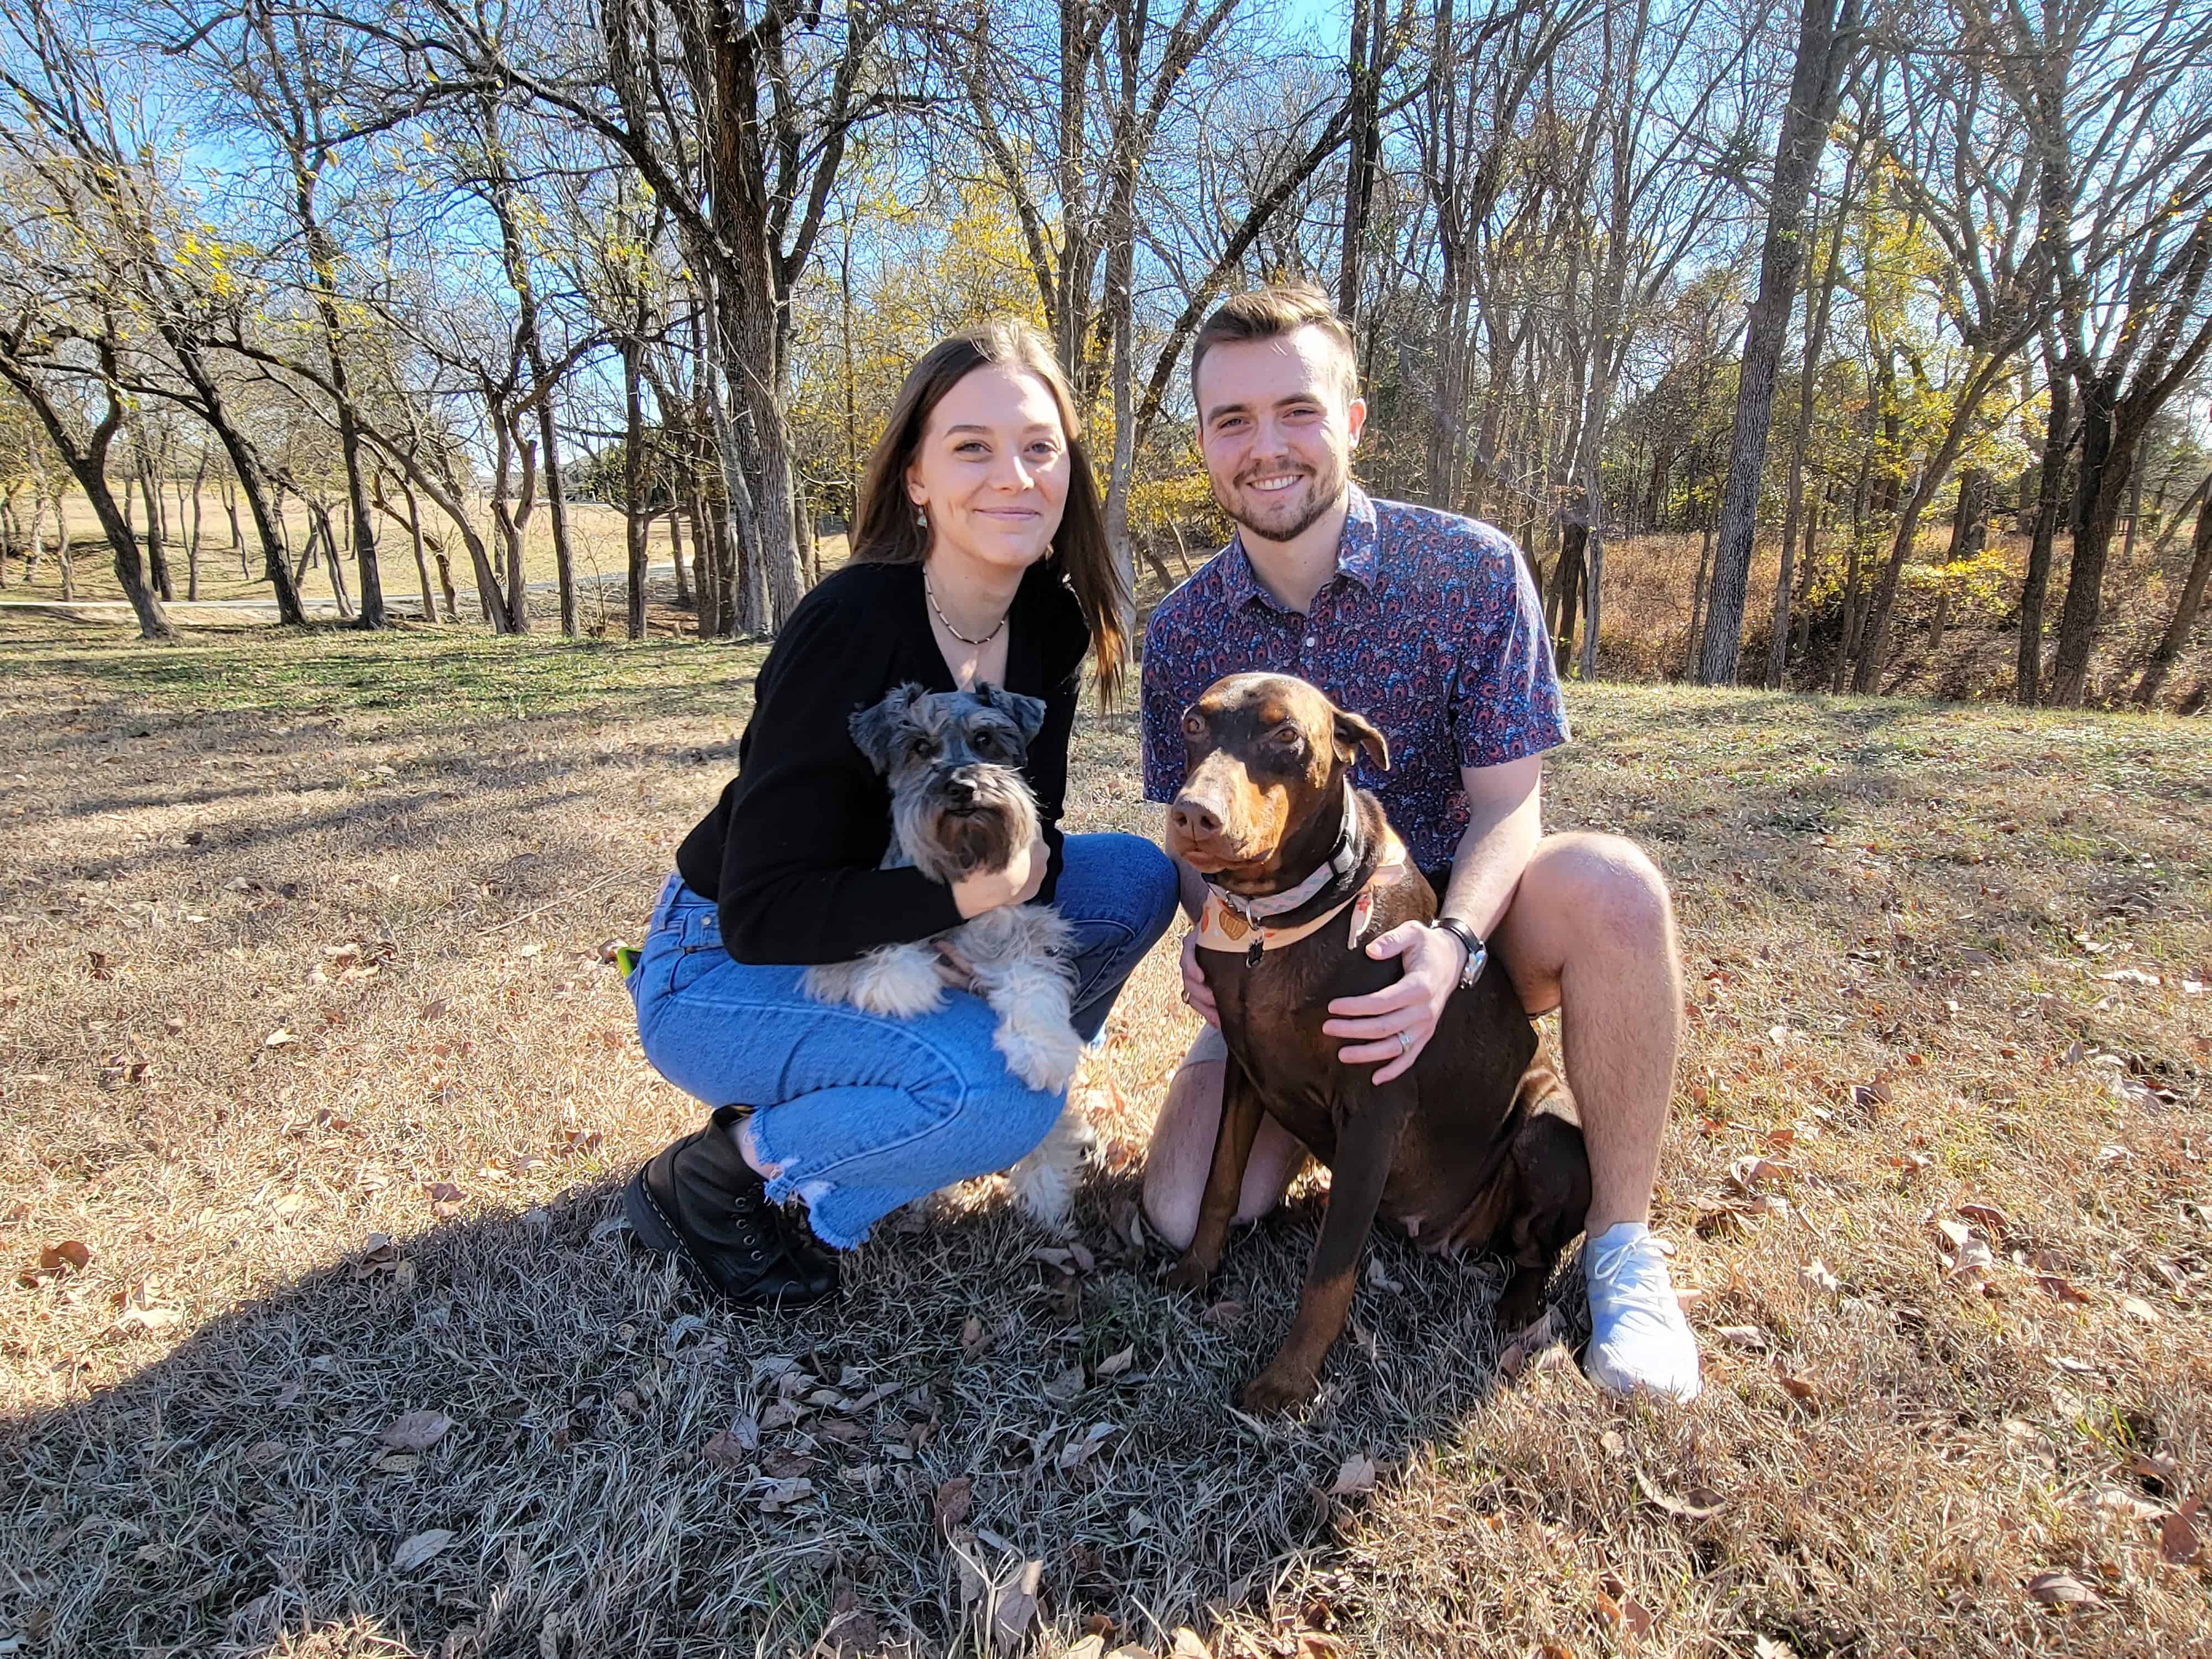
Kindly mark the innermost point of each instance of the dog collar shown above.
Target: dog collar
(1341, 863)
(1222, 928)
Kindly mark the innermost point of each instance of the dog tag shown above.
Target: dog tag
(1258, 948)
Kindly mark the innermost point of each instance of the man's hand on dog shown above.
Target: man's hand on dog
(1015, 883)
(1196, 991)
(1433, 959)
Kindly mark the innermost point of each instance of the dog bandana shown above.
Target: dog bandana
(1224, 925)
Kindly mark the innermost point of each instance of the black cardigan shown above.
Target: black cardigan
(789, 853)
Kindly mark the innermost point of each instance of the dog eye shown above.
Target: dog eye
(1288, 736)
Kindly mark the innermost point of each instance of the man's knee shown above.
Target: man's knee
(1607, 888)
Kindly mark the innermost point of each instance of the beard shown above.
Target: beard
(1289, 515)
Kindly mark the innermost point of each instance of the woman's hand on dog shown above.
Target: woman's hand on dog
(1432, 961)
(1196, 991)
(1016, 883)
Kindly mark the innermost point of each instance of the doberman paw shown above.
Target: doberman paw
(1278, 1390)
(1189, 1275)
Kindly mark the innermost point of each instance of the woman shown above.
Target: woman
(980, 554)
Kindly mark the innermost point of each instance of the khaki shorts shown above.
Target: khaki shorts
(1210, 1046)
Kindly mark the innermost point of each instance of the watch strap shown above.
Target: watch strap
(1478, 953)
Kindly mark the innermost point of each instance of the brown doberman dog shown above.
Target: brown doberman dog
(1477, 1146)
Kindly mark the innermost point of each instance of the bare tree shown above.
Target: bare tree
(1827, 41)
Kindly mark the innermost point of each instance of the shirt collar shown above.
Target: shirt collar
(1358, 553)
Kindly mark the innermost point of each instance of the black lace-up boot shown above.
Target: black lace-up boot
(700, 1201)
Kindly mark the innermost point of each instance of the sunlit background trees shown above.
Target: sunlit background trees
(1815, 345)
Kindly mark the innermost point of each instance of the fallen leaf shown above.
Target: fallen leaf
(417, 1430)
(2130, 976)
(1081, 1447)
(724, 1451)
(1355, 1477)
(1742, 1336)
(1815, 1276)
(2177, 1537)
(2057, 1589)
(972, 1337)
(1674, 1505)
(774, 1495)
(1751, 1171)
(2139, 1308)
(1380, 1279)
(1015, 1609)
(70, 1254)
(1222, 1313)
(1188, 1646)
(1987, 1216)
(1066, 1386)
(782, 1463)
(2052, 1285)
(149, 1318)
(415, 1551)
(279, 1038)
(954, 1502)
(1115, 1364)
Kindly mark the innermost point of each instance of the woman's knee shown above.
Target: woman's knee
(1005, 1120)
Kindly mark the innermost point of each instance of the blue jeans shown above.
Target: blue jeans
(862, 1113)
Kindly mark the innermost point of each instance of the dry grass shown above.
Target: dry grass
(405, 853)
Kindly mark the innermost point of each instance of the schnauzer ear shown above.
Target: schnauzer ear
(876, 730)
(1027, 712)
(1354, 734)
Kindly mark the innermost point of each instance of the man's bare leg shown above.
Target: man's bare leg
(1181, 1152)
(1591, 932)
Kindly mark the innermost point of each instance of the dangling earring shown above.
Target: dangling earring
(921, 517)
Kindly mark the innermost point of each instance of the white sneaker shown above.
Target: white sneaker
(1638, 1338)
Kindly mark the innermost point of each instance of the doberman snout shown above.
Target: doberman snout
(1193, 820)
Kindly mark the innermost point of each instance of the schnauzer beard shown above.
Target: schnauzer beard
(947, 841)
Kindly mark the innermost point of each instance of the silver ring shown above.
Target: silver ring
(1185, 995)
(1405, 1042)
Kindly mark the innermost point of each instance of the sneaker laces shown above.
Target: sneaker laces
(1632, 1276)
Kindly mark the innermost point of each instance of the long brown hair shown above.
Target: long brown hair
(885, 531)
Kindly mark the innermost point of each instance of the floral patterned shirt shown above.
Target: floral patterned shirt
(1431, 628)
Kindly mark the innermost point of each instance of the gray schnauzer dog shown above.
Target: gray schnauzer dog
(959, 806)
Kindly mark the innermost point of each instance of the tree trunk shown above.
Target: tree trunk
(87, 460)
(157, 553)
(637, 522)
(1694, 638)
(2109, 442)
(267, 522)
(1826, 39)
(1566, 590)
(2049, 501)
(556, 505)
(237, 536)
(2184, 611)
(683, 594)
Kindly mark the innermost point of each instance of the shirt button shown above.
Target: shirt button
(1309, 641)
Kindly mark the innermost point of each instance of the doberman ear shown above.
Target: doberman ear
(1354, 734)
(876, 730)
(1027, 712)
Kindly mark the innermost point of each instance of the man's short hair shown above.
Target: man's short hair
(1269, 313)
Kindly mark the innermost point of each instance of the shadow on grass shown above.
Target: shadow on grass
(241, 1489)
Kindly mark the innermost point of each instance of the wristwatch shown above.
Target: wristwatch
(1478, 953)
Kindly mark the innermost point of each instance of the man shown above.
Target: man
(1429, 625)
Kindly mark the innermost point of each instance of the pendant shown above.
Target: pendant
(1258, 949)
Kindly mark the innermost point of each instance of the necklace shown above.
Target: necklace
(947, 623)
